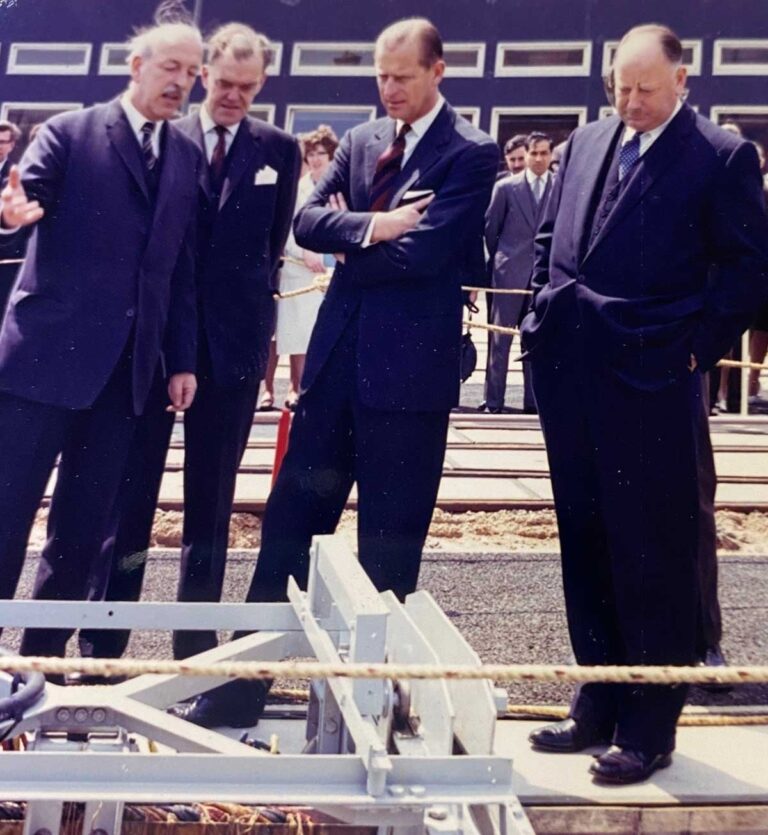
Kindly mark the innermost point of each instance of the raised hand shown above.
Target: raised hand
(15, 208)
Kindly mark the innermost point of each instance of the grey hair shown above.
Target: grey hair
(241, 41)
(172, 21)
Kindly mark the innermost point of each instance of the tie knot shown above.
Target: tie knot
(403, 130)
(148, 128)
(220, 130)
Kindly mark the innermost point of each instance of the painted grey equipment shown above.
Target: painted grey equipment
(413, 757)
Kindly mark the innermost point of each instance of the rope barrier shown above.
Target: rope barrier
(303, 669)
(5, 261)
(502, 290)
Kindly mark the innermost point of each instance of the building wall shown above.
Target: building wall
(560, 100)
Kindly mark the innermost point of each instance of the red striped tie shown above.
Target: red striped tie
(387, 169)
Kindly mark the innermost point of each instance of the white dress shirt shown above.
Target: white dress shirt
(647, 138)
(210, 135)
(531, 178)
(137, 121)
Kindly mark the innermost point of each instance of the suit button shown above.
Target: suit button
(130, 313)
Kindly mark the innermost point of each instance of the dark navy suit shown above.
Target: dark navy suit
(631, 278)
(382, 367)
(241, 234)
(106, 288)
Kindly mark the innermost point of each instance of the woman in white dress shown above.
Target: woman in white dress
(296, 316)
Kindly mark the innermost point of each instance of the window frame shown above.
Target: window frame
(291, 108)
(466, 72)
(580, 111)
(694, 68)
(582, 70)
(58, 106)
(471, 113)
(718, 68)
(342, 70)
(83, 68)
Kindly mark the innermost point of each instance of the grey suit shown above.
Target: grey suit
(510, 226)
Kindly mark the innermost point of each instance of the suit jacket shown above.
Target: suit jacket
(406, 293)
(679, 265)
(105, 262)
(240, 241)
(510, 227)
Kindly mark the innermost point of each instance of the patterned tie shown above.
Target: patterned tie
(629, 155)
(150, 160)
(217, 158)
(387, 169)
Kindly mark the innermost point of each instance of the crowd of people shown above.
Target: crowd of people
(154, 247)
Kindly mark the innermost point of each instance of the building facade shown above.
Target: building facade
(513, 65)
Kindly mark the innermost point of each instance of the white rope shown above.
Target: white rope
(311, 669)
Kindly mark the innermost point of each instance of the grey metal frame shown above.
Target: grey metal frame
(377, 753)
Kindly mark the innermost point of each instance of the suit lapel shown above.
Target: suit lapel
(524, 199)
(664, 151)
(168, 171)
(589, 179)
(245, 147)
(425, 154)
(378, 143)
(193, 128)
(125, 143)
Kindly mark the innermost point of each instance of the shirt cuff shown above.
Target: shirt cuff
(9, 230)
(368, 234)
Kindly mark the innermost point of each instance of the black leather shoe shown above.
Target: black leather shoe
(217, 709)
(714, 657)
(626, 765)
(566, 737)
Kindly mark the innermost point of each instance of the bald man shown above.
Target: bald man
(651, 259)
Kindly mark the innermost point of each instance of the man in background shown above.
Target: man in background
(9, 136)
(510, 227)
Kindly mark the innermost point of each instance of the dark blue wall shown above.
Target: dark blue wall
(490, 21)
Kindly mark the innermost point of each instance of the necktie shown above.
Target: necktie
(629, 155)
(150, 160)
(387, 168)
(537, 190)
(217, 158)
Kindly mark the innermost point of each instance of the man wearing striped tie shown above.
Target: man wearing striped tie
(403, 206)
(651, 258)
(103, 311)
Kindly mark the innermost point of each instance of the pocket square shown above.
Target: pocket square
(266, 176)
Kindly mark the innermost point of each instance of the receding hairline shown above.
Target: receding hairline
(241, 42)
(668, 42)
(415, 29)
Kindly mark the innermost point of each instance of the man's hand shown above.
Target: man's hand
(387, 226)
(313, 261)
(338, 204)
(15, 209)
(693, 364)
(181, 391)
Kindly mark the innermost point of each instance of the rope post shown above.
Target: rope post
(281, 444)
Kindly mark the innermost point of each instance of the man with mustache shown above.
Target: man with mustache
(246, 199)
(103, 312)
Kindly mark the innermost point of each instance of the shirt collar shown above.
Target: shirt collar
(137, 120)
(531, 177)
(421, 125)
(650, 136)
(208, 124)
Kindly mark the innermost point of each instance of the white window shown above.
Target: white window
(265, 112)
(28, 114)
(751, 118)
(471, 114)
(325, 58)
(464, 60)
(691, 56)
(113, 59)
(740, 57)
(556, 122)
(49, 59)
(302, 118)
(543, 58)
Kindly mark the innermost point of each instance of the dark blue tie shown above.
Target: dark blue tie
(150, 160)
(629, 155)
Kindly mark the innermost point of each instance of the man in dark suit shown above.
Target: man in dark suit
(510, 226)
(651, 258)
(382, 369)
(246, 201)
(9, 136)
(104, 304)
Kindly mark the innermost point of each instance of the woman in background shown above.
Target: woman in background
(296, 316)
